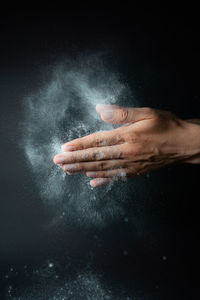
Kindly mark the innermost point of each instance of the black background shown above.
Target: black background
(158, 55)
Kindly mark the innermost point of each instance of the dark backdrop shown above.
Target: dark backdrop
(158, 55)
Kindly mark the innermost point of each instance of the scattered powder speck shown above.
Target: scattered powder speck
(86, 285)
(100, 154)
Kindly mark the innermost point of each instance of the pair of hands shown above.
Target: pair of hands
(149, 139)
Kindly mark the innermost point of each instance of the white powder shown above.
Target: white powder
(64, 109)
(100, 154)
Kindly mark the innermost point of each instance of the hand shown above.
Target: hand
(149, 139)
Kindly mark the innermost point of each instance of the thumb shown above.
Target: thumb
(120, 115)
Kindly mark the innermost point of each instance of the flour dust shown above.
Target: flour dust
(61, 110)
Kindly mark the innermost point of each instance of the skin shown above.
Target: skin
(147, 140)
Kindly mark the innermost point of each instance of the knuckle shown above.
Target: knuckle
(124, 114)
(116, 136)
(127, 151)
(130, 150)
(70, 157)
(149, 110)
(102, 165)
(100, 139)
(93, 138)
(132, 137)
(98, 155)
(139, 149)
(85, 155)
(151, 113)
(89, 139)
(97, 137)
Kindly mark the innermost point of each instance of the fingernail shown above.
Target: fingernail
(69, 167)
(100, 106)
(90, 174)
(97, 182)
(108, 114)
(67, 148)
(60, 159)
(100, 180)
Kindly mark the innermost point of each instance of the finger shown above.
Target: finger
(120, 115)
(98, 139)
(92, 154)
(95, 166)
(100, 182)
(120, 173)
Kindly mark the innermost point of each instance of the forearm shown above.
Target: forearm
(194, 121)
(193, 141)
